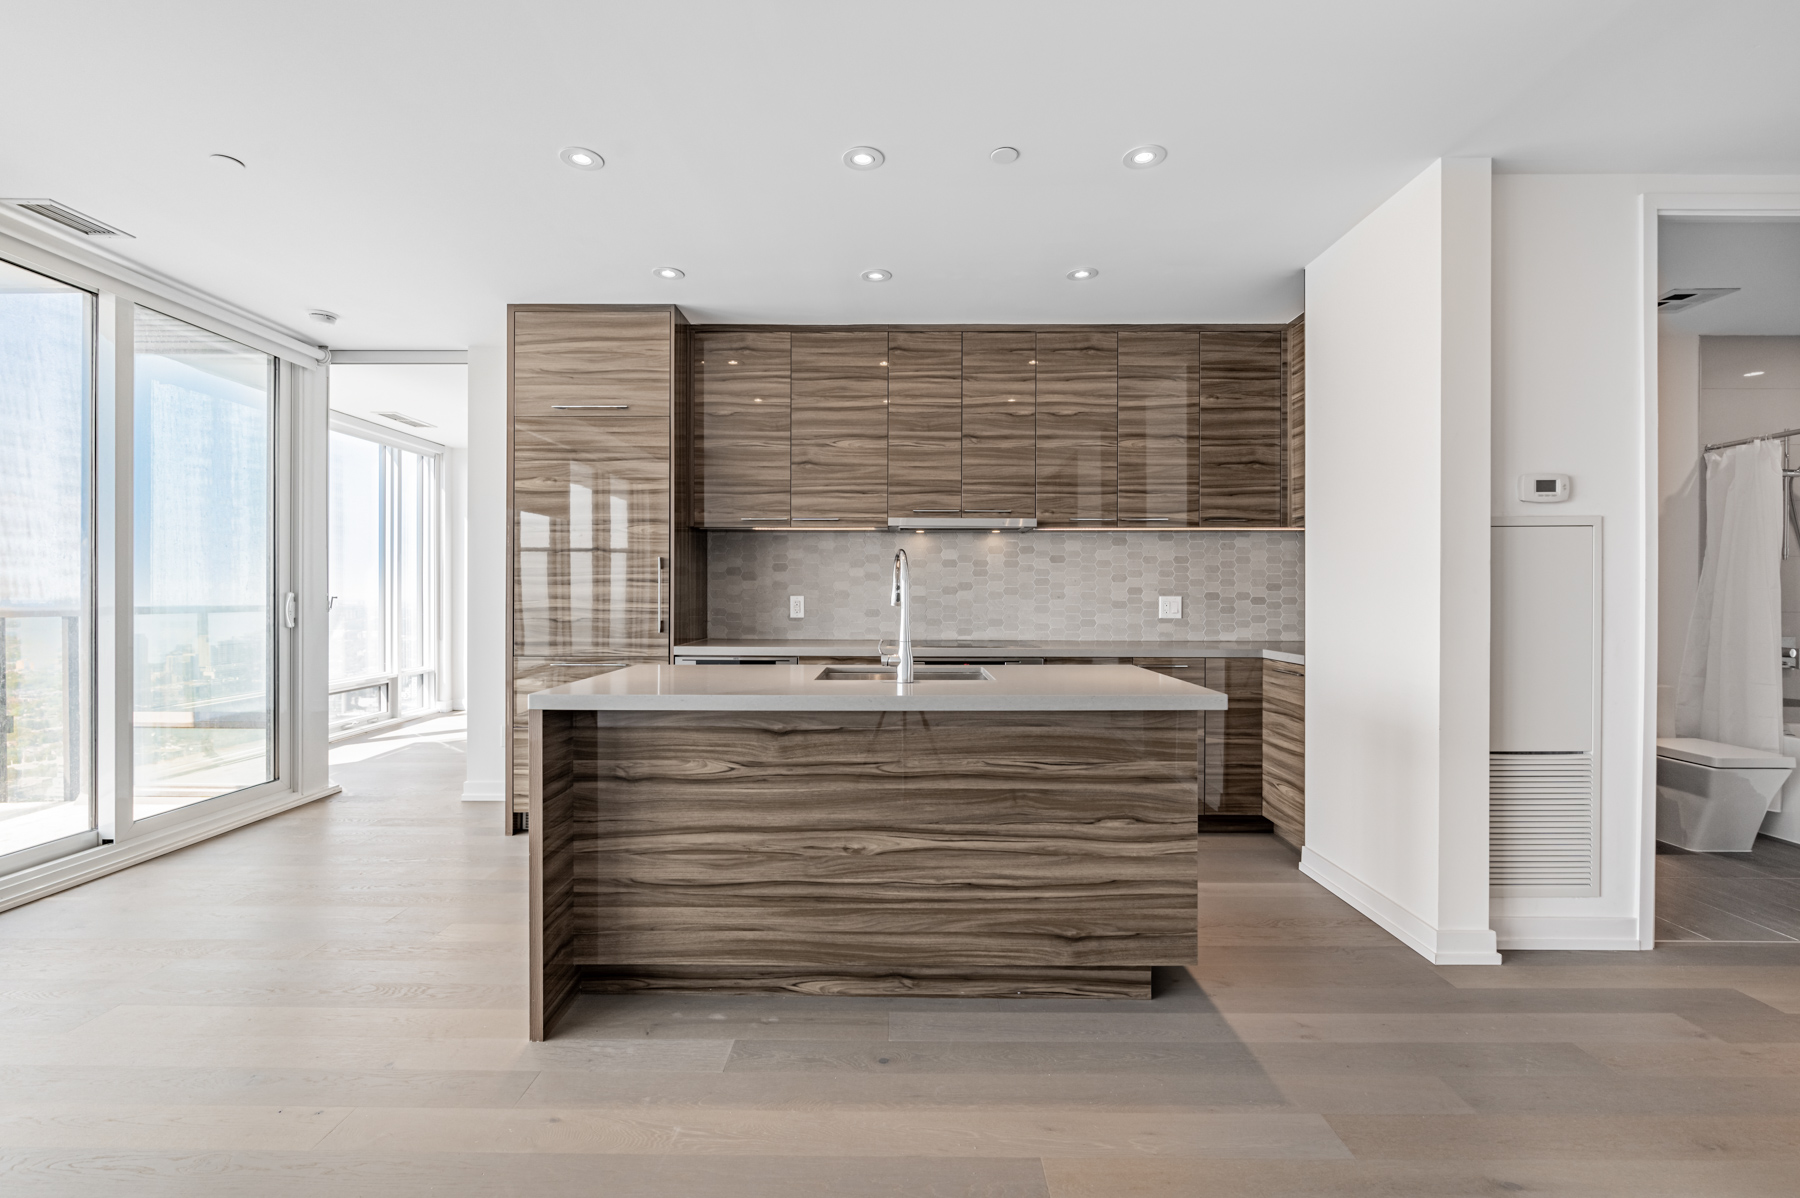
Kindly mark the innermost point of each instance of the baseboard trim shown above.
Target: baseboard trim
(1570, 933)
(64, 873)
(1440, 946)
(482, 792)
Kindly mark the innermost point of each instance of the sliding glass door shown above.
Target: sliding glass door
(46, 565)
(203, 644)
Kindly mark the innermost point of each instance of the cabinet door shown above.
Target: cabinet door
(741, 468)
(1241, 434)
(599, 365)
(530, 675)
(1296, 420)
(1232, 783)
(1284, 749)
(840, 428)
(1077, 428)
(999, 406)
(591, 503)
(1159, 429)
(924, 423)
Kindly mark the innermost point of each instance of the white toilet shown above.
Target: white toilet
(1711, 797)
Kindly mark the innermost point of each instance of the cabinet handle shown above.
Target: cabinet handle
(662, 624)
(757, 519)
(823, 519)
(589, 407)
(925, 511)
(1087, 519)
(1147, 519)
(987, 511)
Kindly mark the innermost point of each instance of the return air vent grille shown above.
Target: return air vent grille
(67, 217)
(403, 418)
(1541, 834)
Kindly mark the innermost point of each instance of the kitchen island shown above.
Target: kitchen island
(1024, 831)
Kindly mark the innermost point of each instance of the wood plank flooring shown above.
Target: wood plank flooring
(1729, 897)
(332, 1002)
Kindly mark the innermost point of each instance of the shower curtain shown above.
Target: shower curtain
(1730, 685)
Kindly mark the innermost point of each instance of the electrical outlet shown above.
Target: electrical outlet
(1168, 607)
(796, 607)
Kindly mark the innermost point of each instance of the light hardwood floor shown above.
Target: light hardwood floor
(332, 1003)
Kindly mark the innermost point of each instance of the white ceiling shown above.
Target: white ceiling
(1761, 258)
(403, 171)
(436, 394)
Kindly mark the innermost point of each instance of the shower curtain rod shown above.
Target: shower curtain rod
(1780, 436)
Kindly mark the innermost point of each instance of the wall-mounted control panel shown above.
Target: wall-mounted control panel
(1543, 488)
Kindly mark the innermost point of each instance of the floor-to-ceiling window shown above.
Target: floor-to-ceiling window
(46, 561)
(383, 570)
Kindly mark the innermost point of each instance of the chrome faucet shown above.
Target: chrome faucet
(902, 657)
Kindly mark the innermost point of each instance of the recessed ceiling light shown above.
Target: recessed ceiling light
(581, 158)
(1143, 157)
(1083, 272)
(1750, 374)
(877, 276)
(324, 317)
(226, 160)
(669, 272)
(863, 158)
(1004, 155)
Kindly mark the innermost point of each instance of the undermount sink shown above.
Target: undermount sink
(920, 674)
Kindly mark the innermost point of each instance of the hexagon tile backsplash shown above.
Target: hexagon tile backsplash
(1073, 586)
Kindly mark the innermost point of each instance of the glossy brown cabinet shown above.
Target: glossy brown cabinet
(999, 437)
(1242, 385)
(1159, 428)
(603, 565)
(1284, 749)
(1077, 428)
(742, 437)
(839, 421)
(925, 399)
(1295, 349)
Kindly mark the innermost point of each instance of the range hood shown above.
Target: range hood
(947, 523)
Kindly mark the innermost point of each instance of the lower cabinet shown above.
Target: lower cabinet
(1284, 749)
(532, 674)
(1231, 741)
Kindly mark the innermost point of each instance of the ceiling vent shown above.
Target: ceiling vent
(67, 217)
(1679, 299)
(402, 418)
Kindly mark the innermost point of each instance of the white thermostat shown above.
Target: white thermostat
(1543, 488)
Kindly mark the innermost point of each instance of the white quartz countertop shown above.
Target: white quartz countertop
(799, 688)
(929, 649)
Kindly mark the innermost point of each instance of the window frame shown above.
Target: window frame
(432, 554)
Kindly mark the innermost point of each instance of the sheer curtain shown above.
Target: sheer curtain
(1730, 687)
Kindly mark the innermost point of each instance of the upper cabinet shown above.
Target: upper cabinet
(1242, 381)
(925, 420)
(1159, 426)
(742, 474)
(567, 363)
(999, 408)
(1077, 428)
(839, 438)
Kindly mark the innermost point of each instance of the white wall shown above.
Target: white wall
(1574, 393)
(487, 574)
(1398, 370)
(1678, 506)
(455, 693)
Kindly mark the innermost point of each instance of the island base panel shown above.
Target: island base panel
(891, 982)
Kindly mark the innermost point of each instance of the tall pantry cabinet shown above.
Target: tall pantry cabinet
(602, 554)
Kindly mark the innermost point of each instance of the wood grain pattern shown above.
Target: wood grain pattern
(1077, 427)
(687, 544)
(875, 842)
(742, 380)
(1294, 340)
(553, 970)
(924, 422)
(1159, 428)
(1241, 436)
(530, 675)
(591, 512)
(899, 982)
(1232, 785)
(1284, 750)
(591, 355)
(840, 427)
(999, 388)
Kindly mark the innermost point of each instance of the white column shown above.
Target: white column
(488, 573)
